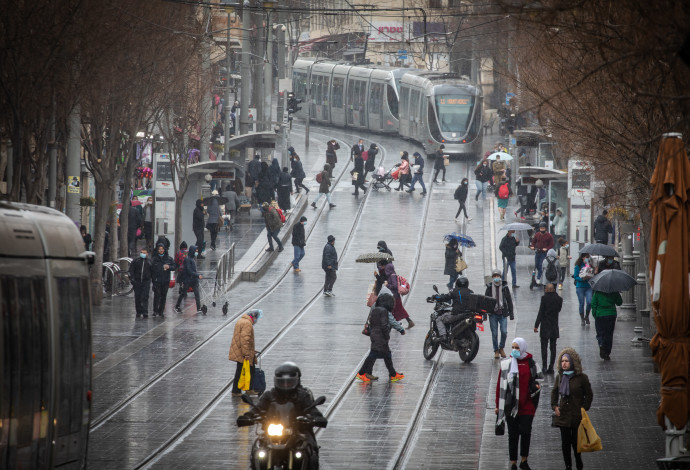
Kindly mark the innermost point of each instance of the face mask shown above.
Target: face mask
(512, 235)
(161, 254)
(515, 353)
(142, 255)
(464, 182)
(566, 246)
(497, 280)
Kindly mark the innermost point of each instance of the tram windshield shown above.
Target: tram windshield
(454, 112)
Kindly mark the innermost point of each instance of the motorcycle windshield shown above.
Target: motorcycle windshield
(281, 413)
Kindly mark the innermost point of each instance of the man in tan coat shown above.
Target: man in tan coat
(242, 346)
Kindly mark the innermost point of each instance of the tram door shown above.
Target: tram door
(375, 106)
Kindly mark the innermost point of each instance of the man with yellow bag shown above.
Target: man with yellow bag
(242, 351)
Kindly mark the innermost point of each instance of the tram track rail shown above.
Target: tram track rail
(117, 407)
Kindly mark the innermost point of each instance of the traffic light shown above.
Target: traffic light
(292, 103)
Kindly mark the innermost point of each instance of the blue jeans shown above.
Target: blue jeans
(451, 282)
(584, 293)
(496, 319)
(511, 265)
(328, 197)
(539, 257)
(418, 177)
(481, 188)
(299, 254)
(273, 236)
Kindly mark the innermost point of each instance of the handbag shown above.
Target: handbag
(587, 438)
(366, 331)
(245, 377)
(355, 175)
(460, 264)
(500, 427)
(446, 161)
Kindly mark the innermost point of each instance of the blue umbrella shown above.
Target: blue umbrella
(462, 239)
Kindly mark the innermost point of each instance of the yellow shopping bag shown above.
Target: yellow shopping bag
(587, 438)
(245, 377)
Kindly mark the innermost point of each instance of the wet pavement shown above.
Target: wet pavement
(161, 396)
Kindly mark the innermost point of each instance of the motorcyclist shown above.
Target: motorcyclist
(460, 297)
(288, 388)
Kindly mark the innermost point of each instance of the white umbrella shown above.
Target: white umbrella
(503, 155)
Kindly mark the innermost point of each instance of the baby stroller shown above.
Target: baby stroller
(383, 179)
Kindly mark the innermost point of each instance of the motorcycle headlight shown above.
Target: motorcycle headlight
(275, 429)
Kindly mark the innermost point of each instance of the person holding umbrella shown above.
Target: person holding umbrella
(582, 287)
(450, 268)
(607, 286)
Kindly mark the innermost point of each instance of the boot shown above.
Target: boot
(582, 319)
(410, 323)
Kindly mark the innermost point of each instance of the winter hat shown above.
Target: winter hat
(183, 245)
(331, 239)
(416, 154)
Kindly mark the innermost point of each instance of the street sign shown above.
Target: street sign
(402, 54)
(509, 95)
(164, 195)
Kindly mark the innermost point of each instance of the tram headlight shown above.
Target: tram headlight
(298, 455)
(261, 454)
(275, 430)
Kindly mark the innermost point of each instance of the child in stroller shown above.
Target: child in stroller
(383, 178)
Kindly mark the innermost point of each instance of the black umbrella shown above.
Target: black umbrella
(599, 249)
(374, 257)
(612, 280)
(517, 226)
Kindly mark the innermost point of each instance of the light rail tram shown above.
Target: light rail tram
(45, 334)
(432, 108)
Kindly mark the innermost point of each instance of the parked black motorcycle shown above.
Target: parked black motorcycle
(279, 444)
(463, 336)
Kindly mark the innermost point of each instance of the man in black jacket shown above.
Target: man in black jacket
(483, 174)
(134, 223)
(198, 226)
(190, 278)
(549, 308)
(498, 289)
(161, 267)
(507, 247)
(602, 228)
(298, 242)
(440, 164)
(140, 277)
(329, 263)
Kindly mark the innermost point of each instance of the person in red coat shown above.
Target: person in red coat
(517, 397)
(542, 242)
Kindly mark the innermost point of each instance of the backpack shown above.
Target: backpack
(551, 271)
(280, 213)
(457, 193)
(365, 155)
(403, 286)
(319, 177)
(503, 191)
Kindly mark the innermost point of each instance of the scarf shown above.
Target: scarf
(564, 388)
(498, 295)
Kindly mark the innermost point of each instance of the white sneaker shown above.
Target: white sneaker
(331, 293)
(326, 293)
(469, 219)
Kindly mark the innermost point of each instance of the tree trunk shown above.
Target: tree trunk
(104, 194)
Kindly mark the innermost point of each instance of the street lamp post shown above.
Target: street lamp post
(226, 132)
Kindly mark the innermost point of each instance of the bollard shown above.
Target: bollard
(641, 295)
(628, 266)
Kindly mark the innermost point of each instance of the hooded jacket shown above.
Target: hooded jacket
(461, 193)
(297, 169)
(602, 228)
(329, 258)
(383, 247)
(551, 257)
(549, 308)
(392, 278)
(274, 171)
(254, 168)
(325, 179)
(559, 223)
(213, 210)
(190, 276)
(580, 393)
(298, 236)
(451, 257)
(243, 340)
(198, 216)
(379, 326)
(370, 164)
(272, 219)
(159, 275)
(331, 156)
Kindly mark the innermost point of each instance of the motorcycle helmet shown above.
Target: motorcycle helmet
(287, 377)
(462, 281)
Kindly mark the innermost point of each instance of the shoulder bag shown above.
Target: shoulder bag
(460, 264)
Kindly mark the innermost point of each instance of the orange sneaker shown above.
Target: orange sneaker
(363, 378)
(397, 377)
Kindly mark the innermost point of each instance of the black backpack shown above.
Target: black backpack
(551, 271)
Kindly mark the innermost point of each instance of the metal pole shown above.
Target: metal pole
(246, 74)
(52, 169)
(628, 266)
(206, 102)
(226, 131)
(268, 77)
(308, 122)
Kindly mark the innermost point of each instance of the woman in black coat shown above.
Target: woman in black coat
(379, 334)
(331, 157)
(547, 317)
(274, 171)
(571, 392)
(452, 253)
(297, 172)
(359, 181)
(265, 188)
(461, 196)
(284, 190)
(370, 164)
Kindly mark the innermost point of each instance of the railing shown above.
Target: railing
(224, 271)
(115, 280)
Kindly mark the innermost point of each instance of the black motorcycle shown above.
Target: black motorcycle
(279, 444)
(463, 336)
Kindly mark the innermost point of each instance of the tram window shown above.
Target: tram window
(299, 85)
(454, 112)
(405, 101)
(414, 104)
(25, 368)
(375, 92)
(392, 100)
(72, 345)
(338, 85)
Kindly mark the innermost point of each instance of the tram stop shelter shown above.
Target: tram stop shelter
(220, 170)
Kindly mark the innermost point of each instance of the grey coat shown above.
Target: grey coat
(213, 210)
